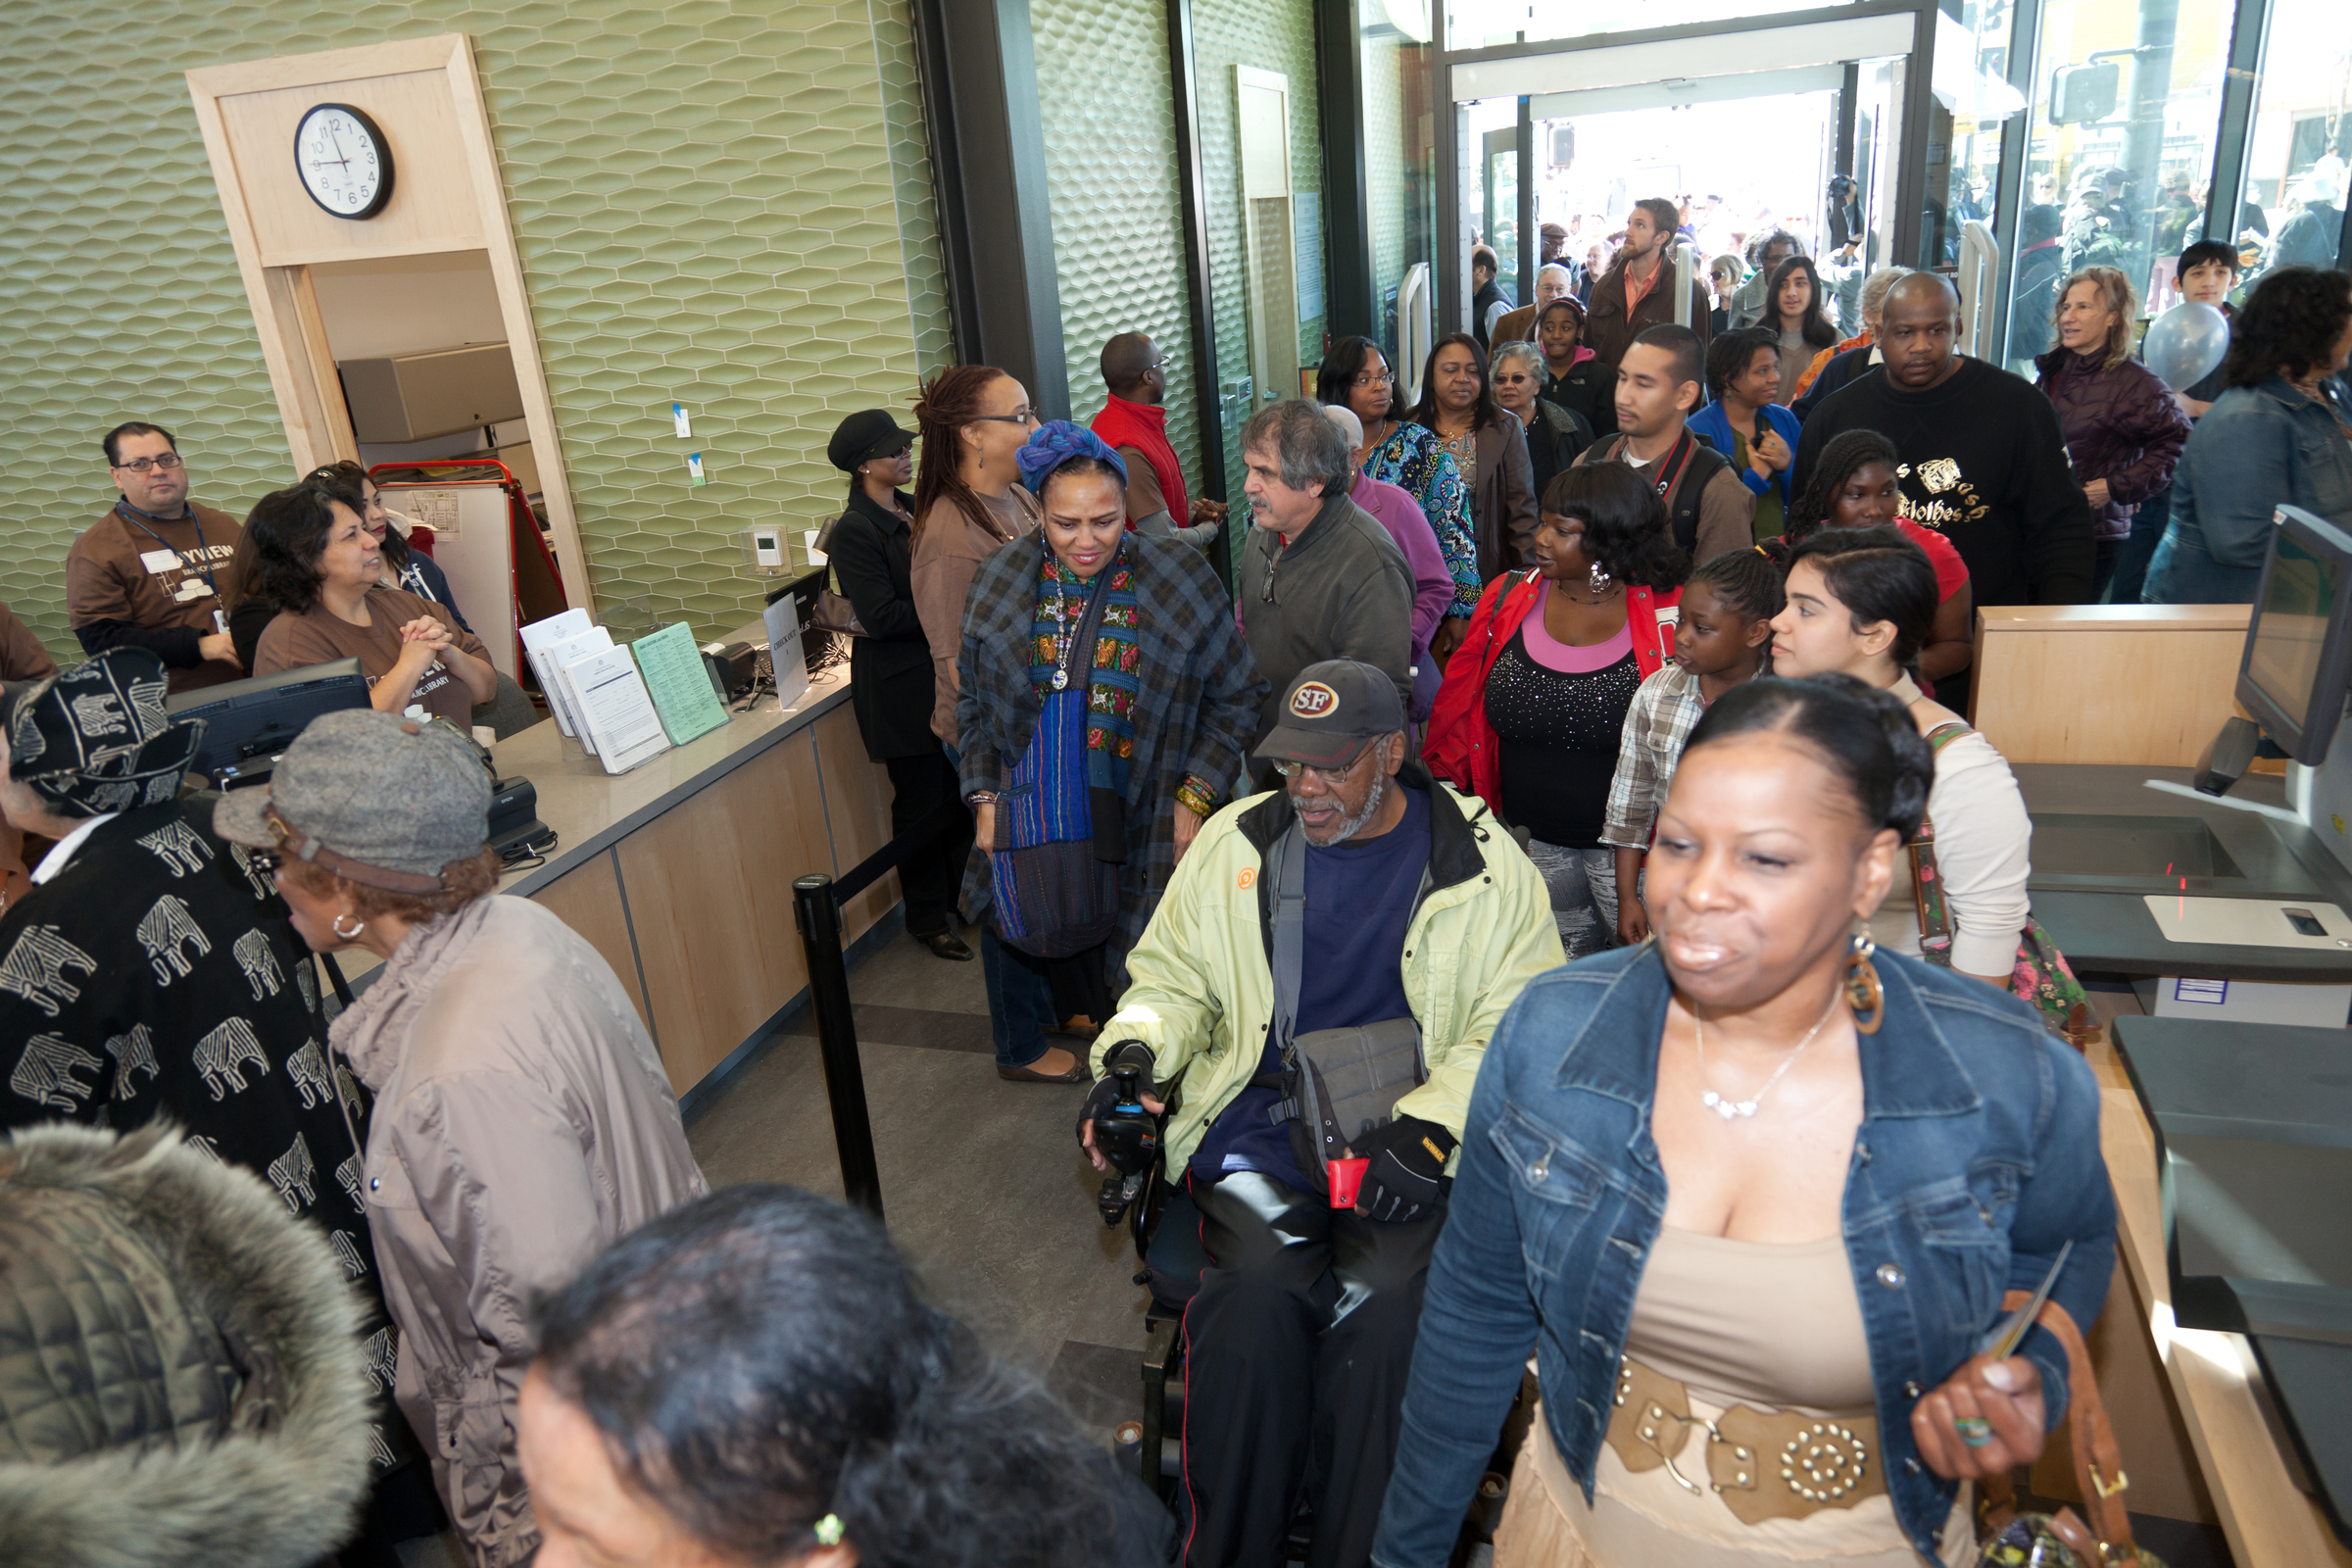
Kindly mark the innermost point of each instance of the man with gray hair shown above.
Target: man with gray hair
(1765, 252)
(1834, 368)
(1318, 578)
(1553, 281)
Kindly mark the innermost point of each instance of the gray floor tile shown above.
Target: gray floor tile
(982, 1181)
(1102, 1384)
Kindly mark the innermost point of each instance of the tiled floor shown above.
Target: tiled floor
(982, 1180)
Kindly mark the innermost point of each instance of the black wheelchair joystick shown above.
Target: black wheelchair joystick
(1128, 1136)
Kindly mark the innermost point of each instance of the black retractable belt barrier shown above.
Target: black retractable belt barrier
(816, 909)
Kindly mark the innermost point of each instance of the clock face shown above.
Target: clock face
(344, 161)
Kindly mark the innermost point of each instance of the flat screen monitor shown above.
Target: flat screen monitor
(249, 724)
(2297, 665)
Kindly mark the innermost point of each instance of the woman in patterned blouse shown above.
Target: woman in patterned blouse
(1355, 376)
(1130, 747)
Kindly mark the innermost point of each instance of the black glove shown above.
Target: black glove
(1409, 1164)
(1105, 1093)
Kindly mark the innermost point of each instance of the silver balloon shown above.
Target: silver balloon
(2184, 344)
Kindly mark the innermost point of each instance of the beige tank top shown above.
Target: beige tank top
(1774, 1326)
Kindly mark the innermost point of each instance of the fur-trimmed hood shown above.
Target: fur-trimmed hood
(280, 1481)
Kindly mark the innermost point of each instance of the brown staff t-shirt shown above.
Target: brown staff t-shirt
(22, 656)
(317, 635)
(153, 574)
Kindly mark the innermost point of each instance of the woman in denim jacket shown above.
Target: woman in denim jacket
(2280, 435)
(1752, 1197)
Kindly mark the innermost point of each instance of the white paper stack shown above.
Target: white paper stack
(537, 638)
(595, 690)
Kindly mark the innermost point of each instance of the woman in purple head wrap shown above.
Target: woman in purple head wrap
(1107, 698)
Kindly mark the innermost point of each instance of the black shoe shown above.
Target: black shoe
(947, 944)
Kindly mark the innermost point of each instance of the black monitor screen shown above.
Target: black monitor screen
(249, 723)
(2284, 658)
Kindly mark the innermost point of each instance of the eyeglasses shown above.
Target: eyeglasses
(1329, 775)
(166, 460)
(1385, 378)
(1017, 416)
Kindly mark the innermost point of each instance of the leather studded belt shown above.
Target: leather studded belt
(1763, 1465)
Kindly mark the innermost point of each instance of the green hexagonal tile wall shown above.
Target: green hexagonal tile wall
(726, 203)
(1108, 106)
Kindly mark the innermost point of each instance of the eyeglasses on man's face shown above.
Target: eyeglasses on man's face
(1331, 777)
(166, 460)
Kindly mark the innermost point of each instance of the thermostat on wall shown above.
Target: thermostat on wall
(769, 550)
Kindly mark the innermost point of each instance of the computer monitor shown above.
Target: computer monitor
(249, 724)
(2297, 666)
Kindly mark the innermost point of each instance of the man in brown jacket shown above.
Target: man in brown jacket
(1637, 292)
(157, 572)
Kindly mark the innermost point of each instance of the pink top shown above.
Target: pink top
(1566, 658)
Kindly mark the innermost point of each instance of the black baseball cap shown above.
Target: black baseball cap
(1331, 711)
(867, 434)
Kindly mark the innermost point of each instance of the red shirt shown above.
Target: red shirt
(1951, 572)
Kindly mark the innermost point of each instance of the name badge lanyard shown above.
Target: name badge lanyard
(204, 567)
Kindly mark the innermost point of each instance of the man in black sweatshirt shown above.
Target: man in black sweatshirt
(1982, 456)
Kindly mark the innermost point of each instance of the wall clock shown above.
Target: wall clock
(344, 161)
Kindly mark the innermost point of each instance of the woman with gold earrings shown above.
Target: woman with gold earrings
(1752, 1193)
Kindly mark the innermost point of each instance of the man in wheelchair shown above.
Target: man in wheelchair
(1323, 972)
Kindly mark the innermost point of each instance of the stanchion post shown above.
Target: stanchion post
(818, 914)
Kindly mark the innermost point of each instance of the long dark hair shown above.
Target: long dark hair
(1844, 456)
(286, 533)
(1866, 736)
(2289, 327)
(1878, 574)
(951, 401)
(1342, 363)
(760, 1361)
(350, 476)
(1815, 326)
(1625, 523)
(1486, 412)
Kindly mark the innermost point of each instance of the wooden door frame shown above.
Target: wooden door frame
(285, 306)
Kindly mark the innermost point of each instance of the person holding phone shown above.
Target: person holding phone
(1748, 421)
(1757, 1179)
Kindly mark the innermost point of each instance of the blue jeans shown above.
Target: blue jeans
(1020, 1001)
(2148, 524)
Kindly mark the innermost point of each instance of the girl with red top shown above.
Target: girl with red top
(1856, 485)
(1533, 703)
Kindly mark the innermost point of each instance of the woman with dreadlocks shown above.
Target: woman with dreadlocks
(1856, 485)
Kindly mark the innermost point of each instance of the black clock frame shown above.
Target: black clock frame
(383, 144)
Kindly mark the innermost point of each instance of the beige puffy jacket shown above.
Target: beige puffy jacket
(523, 1124)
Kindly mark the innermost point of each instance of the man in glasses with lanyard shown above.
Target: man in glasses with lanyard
(1660, 385)
(156, 571)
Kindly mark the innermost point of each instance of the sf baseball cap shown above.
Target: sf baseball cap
(1331, 713)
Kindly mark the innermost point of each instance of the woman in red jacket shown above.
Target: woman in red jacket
(1535, 699)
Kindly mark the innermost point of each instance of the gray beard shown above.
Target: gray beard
(1350, 825)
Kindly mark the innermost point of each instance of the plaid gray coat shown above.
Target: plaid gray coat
(1195, 712)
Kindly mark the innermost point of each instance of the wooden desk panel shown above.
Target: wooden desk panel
(2146, 685)
(858, 810)
(589, 901)
(710, 891)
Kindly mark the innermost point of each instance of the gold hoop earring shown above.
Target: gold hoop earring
(1863, 992)
(358, 927)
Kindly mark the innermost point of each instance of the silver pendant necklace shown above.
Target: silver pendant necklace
(1061, 638)
(1730, 1108)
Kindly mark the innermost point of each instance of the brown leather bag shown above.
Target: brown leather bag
(2011, 1539)
(833, 610)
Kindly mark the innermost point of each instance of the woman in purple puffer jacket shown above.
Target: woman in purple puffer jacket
(2122, 427)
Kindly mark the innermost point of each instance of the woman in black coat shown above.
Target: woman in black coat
(890, 668)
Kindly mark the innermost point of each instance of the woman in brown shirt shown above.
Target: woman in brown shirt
(315, 560)
(967, 502)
